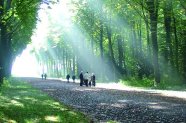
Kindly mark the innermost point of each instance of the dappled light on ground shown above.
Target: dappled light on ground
(52, 118)
(19, 103)
(111, 102)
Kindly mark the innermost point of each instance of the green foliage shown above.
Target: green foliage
(166, 84)
(20, 103)
(130, 21)
(174, 83)
(145, 82)
(17, 21)
(5, 83)
(26, 13)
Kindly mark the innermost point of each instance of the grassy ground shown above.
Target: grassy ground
(20, 103)
(149, 83)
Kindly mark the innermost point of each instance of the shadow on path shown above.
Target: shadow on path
(124, 105)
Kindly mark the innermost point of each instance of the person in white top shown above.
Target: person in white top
(86, 78)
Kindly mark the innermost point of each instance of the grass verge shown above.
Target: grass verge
(20, 103)
(149, 83)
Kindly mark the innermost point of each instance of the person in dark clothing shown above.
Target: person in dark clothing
(42, 76)
(68, 77)
(81, 78)
(93, 79)
(73, 78)
(45, 75)
(90, 82)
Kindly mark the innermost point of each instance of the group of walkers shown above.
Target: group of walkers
(44, 76)
(85, 79)
(68, 77)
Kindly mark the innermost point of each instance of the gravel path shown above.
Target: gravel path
(124, 106)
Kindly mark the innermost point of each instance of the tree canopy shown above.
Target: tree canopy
(115, 39)
(17, 21)
(122, 38)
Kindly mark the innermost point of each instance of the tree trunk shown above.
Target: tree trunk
(176, 43)
(111, 53)
(134, 41)
(92, 41)
(167, 22)
(153, 12)
(101, 40)
(5, 53)
(149, 66)
(64, 64)
(140, 39)
(5, 44)
(120, 52)
(184, 49)
(1, 43)
(74, 65)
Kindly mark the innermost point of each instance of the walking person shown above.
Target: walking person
(68, 77)
(81, 78)
(93, 78)
(73, 78)
(86, 78)
(42, 75)
(45, 75)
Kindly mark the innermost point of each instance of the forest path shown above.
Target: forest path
(124, 105)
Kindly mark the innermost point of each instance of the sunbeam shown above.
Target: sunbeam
(26, 65)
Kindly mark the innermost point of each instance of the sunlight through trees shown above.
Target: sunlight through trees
(115, 39)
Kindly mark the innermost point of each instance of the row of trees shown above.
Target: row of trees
(130, 37)
(17, 20)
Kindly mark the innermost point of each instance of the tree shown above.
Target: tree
(138, 38)
(16, 17)
(153, 13)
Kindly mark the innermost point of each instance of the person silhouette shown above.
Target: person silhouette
(81, 78)
(42, 76)
(45, 76)
(68, 77)
(73, 78)
(93, 79)
(86, 78)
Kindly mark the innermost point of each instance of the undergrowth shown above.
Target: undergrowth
(150, 83)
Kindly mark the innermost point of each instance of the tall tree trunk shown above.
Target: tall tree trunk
(140, 38)
(92, 30)
(184, 49)
(167, 22)
(124, 55)
(5, 43)
(66, 61)
(102, 71)
(176, 43)
(149, 67)
(2, 53)
(120, 52)
(64, 64)
(134, 41)
(101, 40)
(1, 43)
(111, 53)
(153, 12)
(74, 65)
(70, 65)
